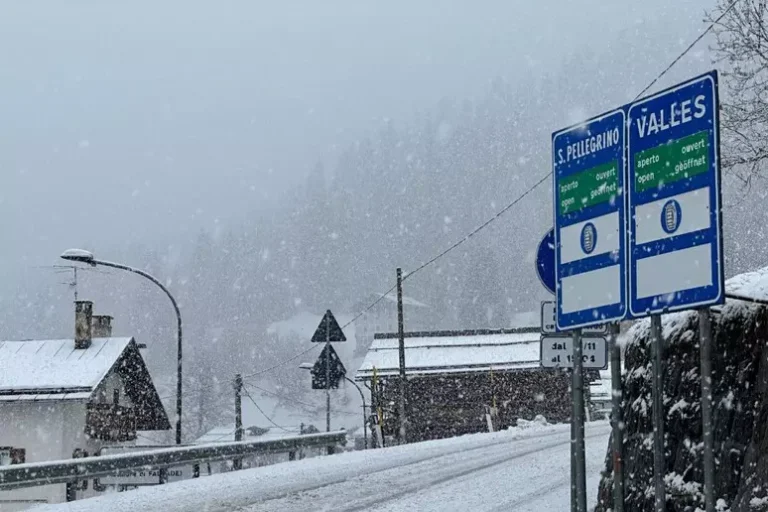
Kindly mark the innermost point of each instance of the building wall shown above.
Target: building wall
(449, 405)
(48, 430)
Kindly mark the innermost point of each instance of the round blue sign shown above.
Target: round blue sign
(671, 216)
(545, 261)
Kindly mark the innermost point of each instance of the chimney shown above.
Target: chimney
(83, 314)
(101, 326)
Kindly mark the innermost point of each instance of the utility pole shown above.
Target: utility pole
(401, 351)
(237, 464)
(328, 376)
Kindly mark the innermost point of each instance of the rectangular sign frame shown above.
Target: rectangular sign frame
(675, 201)
(588, 172)
(549, 322)
(595, 352)
(669, 252)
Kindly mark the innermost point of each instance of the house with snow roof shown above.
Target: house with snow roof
(382, 317)
(67, 398)
(456, 377)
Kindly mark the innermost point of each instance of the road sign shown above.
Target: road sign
(545, 261)
(589, 206)
(675, 239)
(328, 330)
(141, 477)
(337, 370)
(557, 352)
(548, 317)
(549, 322)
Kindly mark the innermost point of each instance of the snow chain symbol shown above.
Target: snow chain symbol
(588, 238)
(671, 215)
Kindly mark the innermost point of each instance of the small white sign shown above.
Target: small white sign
(548, 317)
(557, 352)
(137, 477)
(132, 477)
(549, 321)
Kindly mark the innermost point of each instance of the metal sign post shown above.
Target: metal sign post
(657, 382)
(578, 424)
(705, 332)
(328, 331)
(617, 421)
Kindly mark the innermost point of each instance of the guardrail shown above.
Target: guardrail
(63, 471)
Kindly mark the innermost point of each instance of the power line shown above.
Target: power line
(373, 305)
(283, 363)
(690, 46)
(514, 202)
(481, 226)
(262, 412)
(289, 399)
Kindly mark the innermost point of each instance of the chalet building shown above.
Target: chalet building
(382, 317)
(454, 376)
(71, 397)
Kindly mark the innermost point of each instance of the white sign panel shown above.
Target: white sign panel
(132, 477)
(549, 321)
(137, 477)
(557, 352)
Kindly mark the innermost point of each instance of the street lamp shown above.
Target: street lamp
(309, 366)
(82, 256)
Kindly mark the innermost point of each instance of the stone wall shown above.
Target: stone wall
(740, 414)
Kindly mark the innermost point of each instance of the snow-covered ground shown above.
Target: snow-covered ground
(522, 469)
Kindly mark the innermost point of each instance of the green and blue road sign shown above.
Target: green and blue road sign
(637, 208)
(589, 218)
(675, 240)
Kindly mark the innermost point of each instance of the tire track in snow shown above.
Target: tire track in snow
(380, 488)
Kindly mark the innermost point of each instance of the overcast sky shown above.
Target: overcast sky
(142, 121)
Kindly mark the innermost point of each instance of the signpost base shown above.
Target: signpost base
(659, 466)
(617, 422)
(705, 331)
(578, 424)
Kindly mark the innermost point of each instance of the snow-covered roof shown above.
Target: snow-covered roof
(407, 301)
(753, 285)
(55, 369)
(453, 352)
(741, 290)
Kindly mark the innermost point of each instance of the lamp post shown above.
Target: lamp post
(81, 256)
(308, 366)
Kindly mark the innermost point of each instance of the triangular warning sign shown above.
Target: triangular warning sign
(336, 372)
(328, 330)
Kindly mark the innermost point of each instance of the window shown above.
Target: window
(10, 455)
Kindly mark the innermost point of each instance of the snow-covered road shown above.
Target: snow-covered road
(523, 475)
(516, 470)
